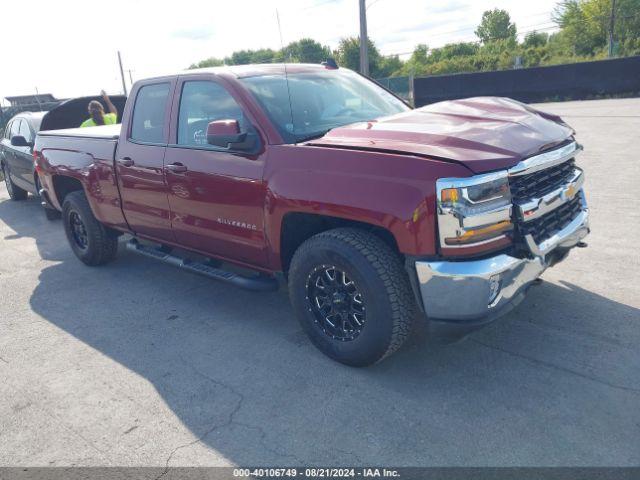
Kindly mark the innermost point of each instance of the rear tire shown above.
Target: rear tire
(351, 295)
(15, 193)
(93, 243)
(51, 214)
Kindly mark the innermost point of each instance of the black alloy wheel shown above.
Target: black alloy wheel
(336, 303)
(78, 230)
(352, 296)
(93, 243)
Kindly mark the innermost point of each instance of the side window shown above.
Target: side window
(203, 102)
(7, 131)
(15, 128)
(25, 131)
(149, 113)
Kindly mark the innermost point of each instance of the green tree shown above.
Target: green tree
(585, 24)
(416, 64)
(209, 62)
(306, 50)
(244, 57)
(535, 39)
(348, 54)
(453, 50)
(388, 66)
(582, 33)
(496, 25)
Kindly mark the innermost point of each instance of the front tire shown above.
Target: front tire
(15, 193)
(93, 243)
(351, 295)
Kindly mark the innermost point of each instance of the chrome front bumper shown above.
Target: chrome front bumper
(472, 293)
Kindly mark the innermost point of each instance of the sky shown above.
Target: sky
(69, 48)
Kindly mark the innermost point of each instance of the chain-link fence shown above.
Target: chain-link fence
(401, 86)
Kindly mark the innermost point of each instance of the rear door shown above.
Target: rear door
(216, 196)
(140, 160)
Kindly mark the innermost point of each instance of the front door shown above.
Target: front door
(140, 162)
(23, 158)
(11, 157)
(216, 196)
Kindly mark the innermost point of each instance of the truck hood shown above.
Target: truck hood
(482, 133)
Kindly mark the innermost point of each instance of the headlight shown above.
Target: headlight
(474, 210)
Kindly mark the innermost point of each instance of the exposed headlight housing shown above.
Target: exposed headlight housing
(473, 211)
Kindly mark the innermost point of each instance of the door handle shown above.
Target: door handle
(126, 162)
(176, 167)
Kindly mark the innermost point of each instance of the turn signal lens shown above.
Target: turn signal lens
(449, 195)
(480, 234)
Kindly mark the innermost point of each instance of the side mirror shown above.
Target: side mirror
(19, 141)
(227, 134)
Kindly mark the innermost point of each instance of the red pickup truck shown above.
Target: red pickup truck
(376, 214)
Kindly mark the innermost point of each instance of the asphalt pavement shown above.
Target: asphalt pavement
(137, 363)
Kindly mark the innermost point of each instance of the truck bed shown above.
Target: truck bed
(107, 132)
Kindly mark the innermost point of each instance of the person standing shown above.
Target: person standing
(98, 116)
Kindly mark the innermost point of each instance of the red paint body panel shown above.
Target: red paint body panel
(484, 133)
(233, 205)
(391, 191)
(66, 157)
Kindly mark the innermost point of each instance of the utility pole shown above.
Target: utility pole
(37, 97)
(124, 85)
(612, 24)
(364, 45)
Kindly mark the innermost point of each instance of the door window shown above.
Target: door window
(203, 102)
(7, 131)
(25, 131)
(149, 113)
(15, 128)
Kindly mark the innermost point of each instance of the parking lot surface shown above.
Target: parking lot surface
(137, 363)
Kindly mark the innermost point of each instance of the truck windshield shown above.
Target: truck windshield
(320, 101)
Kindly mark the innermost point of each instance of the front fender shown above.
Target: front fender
(390, 191)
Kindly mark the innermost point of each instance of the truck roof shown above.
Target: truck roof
(254, 70)
(250, 70)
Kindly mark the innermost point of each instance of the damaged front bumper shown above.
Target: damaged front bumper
(461, 296)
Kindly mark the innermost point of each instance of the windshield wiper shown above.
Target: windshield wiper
(313, 136)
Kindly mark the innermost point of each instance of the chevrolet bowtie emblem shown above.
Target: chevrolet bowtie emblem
(570, 192)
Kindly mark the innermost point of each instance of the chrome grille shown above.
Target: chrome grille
(538, 184)
(551, 223)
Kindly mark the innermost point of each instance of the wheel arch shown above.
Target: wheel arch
(297, 227)
(63, 185)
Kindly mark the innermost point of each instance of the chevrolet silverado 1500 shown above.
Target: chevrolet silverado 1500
(376, 214)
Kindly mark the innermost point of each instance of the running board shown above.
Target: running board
(258, 283)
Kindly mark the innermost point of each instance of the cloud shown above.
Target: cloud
(199, 33)
(452, 6)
